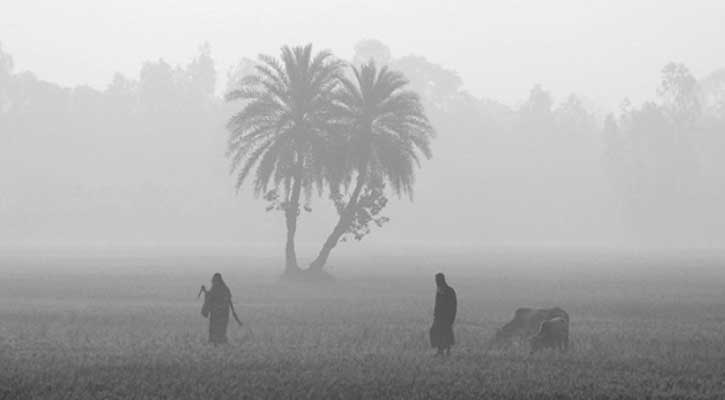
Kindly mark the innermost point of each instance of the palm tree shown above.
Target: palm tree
(387, 131)
(281, 135)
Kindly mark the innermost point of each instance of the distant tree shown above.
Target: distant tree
(574, 133)
(157, 88)
(654, 171)
(387, 132)
(87, 100)
(536, 124)
(238, 72)
(572, 117)
(371, 49)
(6, 71)
(40, 98)
(652, 162)
(680, 95)
(611, 136)
(539, 104)
(6, 62)
(681, 103)
(283, 130)
(713, 94)
(438, 87)
(202, 73)
(122, 96)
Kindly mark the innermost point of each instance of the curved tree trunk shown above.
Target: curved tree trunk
(343, 223)
(291, 214)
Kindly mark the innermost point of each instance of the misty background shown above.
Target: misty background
(601, 126)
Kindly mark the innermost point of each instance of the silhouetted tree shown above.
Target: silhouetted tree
(282, 132)
(387, 132)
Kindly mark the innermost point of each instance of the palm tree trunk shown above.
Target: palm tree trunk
(291, 214)
(343, 223)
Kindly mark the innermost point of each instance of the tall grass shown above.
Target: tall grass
(361, 338)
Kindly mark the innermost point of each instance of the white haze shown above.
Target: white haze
(606, 50)
(484, 186)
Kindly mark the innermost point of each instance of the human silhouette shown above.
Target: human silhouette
(217, 304)
(444, 314)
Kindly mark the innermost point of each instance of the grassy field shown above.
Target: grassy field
(117, 327)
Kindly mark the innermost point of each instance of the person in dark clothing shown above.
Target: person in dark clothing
(444, 314)
(217, 304)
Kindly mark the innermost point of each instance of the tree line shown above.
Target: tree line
(543, 168)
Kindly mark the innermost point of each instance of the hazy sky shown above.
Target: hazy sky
(604, 50)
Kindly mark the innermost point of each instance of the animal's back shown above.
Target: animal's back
(527, 321)
(557, 312)
(554, 326)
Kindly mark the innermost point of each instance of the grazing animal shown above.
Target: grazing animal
(553, 334)
(526, 323)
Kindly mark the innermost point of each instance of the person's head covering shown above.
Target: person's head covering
(217, 280)
(441, 280)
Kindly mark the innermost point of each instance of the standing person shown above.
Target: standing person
(217, 303)
(444, 314)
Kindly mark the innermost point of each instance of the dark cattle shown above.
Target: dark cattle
(526, 323)
(553, 334)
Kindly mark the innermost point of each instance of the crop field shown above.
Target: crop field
(129, 327)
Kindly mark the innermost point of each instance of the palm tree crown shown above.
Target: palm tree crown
(388, 129)
(282, 131)
(386, 133)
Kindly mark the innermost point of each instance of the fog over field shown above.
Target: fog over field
(562, 163)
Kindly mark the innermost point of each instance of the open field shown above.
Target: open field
(111, 327)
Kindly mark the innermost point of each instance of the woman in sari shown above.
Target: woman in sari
(444, 314)
(217, 304)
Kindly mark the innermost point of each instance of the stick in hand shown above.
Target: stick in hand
(234, 313)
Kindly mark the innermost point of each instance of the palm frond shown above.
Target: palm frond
(388, 130)
(286, 123)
